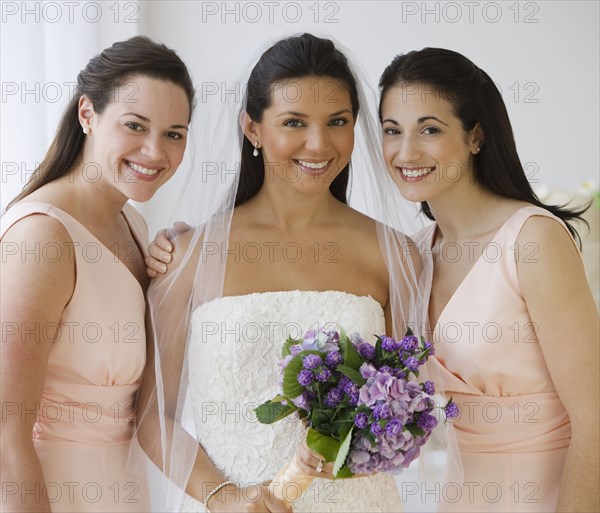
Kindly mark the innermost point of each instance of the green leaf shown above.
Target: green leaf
(340, 428)
(353, 374)
(344, 473)
(285, 350)
(378, 350)
(321, 419)
(324, 445)
(349, 353)
(291, 387)
(272, 411)
(409, 332)
(415, 430)
(342, 453)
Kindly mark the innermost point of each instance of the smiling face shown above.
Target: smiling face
(426, 149)
(306, 135)
(139, 139)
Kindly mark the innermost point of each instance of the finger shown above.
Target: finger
(153, 264)
(155, 251)
(151, 272)
(162, 241)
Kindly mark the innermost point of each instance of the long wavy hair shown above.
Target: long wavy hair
(475, 99)
(291, 58)
(138, 56)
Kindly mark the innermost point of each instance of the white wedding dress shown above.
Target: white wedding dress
(235, 348)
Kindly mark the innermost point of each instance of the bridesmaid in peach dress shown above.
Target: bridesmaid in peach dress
(73, 286)
(512, 315)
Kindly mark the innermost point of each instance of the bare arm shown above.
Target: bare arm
(561, 305)
(34, 293)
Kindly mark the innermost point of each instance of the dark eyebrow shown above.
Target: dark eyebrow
(144, 118)
(423, 119)
(300, 115)
(392, 121)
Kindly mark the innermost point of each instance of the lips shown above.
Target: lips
(143, 172)
(313, 167)
(414, 174)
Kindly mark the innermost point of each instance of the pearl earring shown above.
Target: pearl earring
(86, 130)
(255, 152)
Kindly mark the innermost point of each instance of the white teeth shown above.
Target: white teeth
(414, 173)
(314, 165)
(142, 170)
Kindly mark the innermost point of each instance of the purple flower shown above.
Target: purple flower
(367, 351)
(361, 420)
(302, 402)
(427, 422)
(353, 399)
(376, 429)
(429, 387)
(429, 345)
(305, 377)
(333, 359)
(312, 361)
(382, 411)
(318, 340)
(452, 411)
(386, 369)
(356, 339)
(334, 397)
(388, 344)
(350, 388)
(323, 375)
(393, 427)
(412, 363)
(400, 374)
(295, 349)
(410, 343)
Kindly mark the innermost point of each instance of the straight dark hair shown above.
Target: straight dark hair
(475, 99)
(137, 57)
(291, 58)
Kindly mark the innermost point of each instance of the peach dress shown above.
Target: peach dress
(86, 418)
(513, 432)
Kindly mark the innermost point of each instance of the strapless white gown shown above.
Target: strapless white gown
(235, 348)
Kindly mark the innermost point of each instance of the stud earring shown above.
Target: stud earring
(255, 152)
(86, 130)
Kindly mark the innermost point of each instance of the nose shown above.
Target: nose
(408, 150)
(316, 140)
(153, 147)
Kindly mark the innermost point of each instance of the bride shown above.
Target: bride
(283, 253)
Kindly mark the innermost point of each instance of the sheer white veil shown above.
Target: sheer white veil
(165, 427)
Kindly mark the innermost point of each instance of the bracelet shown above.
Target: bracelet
(215, 490)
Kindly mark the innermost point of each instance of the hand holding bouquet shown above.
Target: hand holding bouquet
(364, 407)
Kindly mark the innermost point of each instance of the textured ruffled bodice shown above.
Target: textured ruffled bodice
(234, 355)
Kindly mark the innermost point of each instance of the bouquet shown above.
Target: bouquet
(362, 403)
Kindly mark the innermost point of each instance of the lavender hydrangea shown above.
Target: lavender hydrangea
(334, 397)
(452, 410)
(305, 377)
(429, 387)
(361, 420)
(412, 363)
(323, 375)
(333, 359)
(312, 361)
(410, 343)
(426, 421)
(389, 344)
(367, 351)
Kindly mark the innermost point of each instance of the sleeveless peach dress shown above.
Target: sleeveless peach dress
(513, 432)
(86, 417)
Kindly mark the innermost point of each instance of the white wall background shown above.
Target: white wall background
(544, 55)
